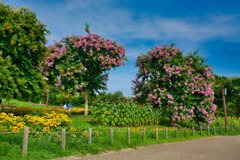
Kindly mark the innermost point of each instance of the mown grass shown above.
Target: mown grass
(46, 147)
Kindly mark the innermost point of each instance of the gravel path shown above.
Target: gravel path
(215, 148)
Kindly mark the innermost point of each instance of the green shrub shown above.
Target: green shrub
(124, 114)
(60, 99)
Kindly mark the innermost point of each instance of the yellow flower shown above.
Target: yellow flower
(21, 125)
(85, 134)
(72, 129)
(136, 129)
(46, 129)
(73, 135)
(15, 129)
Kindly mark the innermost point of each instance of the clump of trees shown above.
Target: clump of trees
(180, 86)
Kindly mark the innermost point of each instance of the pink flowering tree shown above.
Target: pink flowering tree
(80, 64)
(180, 86)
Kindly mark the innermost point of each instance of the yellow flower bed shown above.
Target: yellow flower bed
(46, 123)
(77, 111)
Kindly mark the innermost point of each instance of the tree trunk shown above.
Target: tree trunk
(86, 102)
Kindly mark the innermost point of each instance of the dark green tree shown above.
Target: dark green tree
(8, 85)
(23, 39)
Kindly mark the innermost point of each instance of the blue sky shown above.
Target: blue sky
(210, 26)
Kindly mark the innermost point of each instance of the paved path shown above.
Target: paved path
(215, 148)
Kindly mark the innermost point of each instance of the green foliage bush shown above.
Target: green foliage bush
(124, 114)
(22, 111)
(60, 99)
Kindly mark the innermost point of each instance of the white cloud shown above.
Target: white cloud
(106, 19)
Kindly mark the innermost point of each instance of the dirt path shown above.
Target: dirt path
(215, 148)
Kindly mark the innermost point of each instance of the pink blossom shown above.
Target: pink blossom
(170, 97)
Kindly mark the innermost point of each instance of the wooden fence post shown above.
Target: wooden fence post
(214, 130)
(111, 135)
(90, 136)
(128, 135)
(47, 100)
(208, 131)
(193, 131)
(156, 134)
(200, 130)
(176, 132)
(166, 133)
(25, 141)
(144, 134)
(63, 138)
(185, 132)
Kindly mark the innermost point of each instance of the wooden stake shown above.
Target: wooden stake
(156, 134)
(128, 135)
(200, 130)
(144, 134)
(166, 133)
(214, 130)
(47, 97)
(185, 132)
(90, 136)
(111, 135)
(208, 131)
(176, 132)
(63, 138)
(25, 141)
